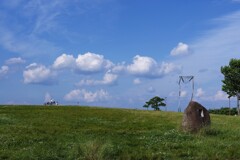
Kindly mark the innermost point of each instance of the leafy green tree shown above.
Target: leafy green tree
(146, 106)
(231, 81)
(155, 103)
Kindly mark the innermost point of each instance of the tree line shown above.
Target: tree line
(224, 111)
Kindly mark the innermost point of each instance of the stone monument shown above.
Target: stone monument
(195, 117)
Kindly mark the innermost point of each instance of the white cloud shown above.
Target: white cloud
(237, 1)
(121, 67)
(48, 97)
(200, 92)
(167, 68)
(108, 79)
(4, 70)
(183, 94)
(84, 63)
(142, 65)
(151, 89)
(220, 96)
(64, 61)
(86, 82)
(37, 74)
(44, 13)
(36, 17)
(137, 81)
(17, 60)
(27, 45)
(216, 47)
(148, 67)
(181, 49)
(86, 96)
(91, 63)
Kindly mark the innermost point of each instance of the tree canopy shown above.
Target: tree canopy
(155, 103)
(231, 81)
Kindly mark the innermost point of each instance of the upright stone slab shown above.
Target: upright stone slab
(195, 117)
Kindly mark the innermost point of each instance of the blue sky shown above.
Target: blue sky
(116, 53)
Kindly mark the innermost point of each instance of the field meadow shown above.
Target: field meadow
(94, 133)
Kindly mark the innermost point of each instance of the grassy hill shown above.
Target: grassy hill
(39, 132)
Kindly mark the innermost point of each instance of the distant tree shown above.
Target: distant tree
(155, 103)
(231, 82)
(146, 106)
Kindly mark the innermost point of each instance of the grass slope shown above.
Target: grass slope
(37, 132)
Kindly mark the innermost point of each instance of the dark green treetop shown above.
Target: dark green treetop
(231, 81)
(155, 103)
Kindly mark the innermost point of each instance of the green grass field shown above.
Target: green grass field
(63, 132)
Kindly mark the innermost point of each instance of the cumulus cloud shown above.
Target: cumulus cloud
(108, 79)
(86, 96)
(148, 67)
(200, 92)
(64, 61)
(91, 63)
(167, 68)
(141, 65)
(37, 74)
(183, 94)
(220, 96)
(17, 60)
(4, 70)
(118, 68)
(85, 63)
(48, 97)
(181, 49)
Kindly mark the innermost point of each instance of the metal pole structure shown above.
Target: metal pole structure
(185, 79)
(238, 98)
(179, 95)
(238, 106)
(192, 88)
(166, 103)
(229, 106)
